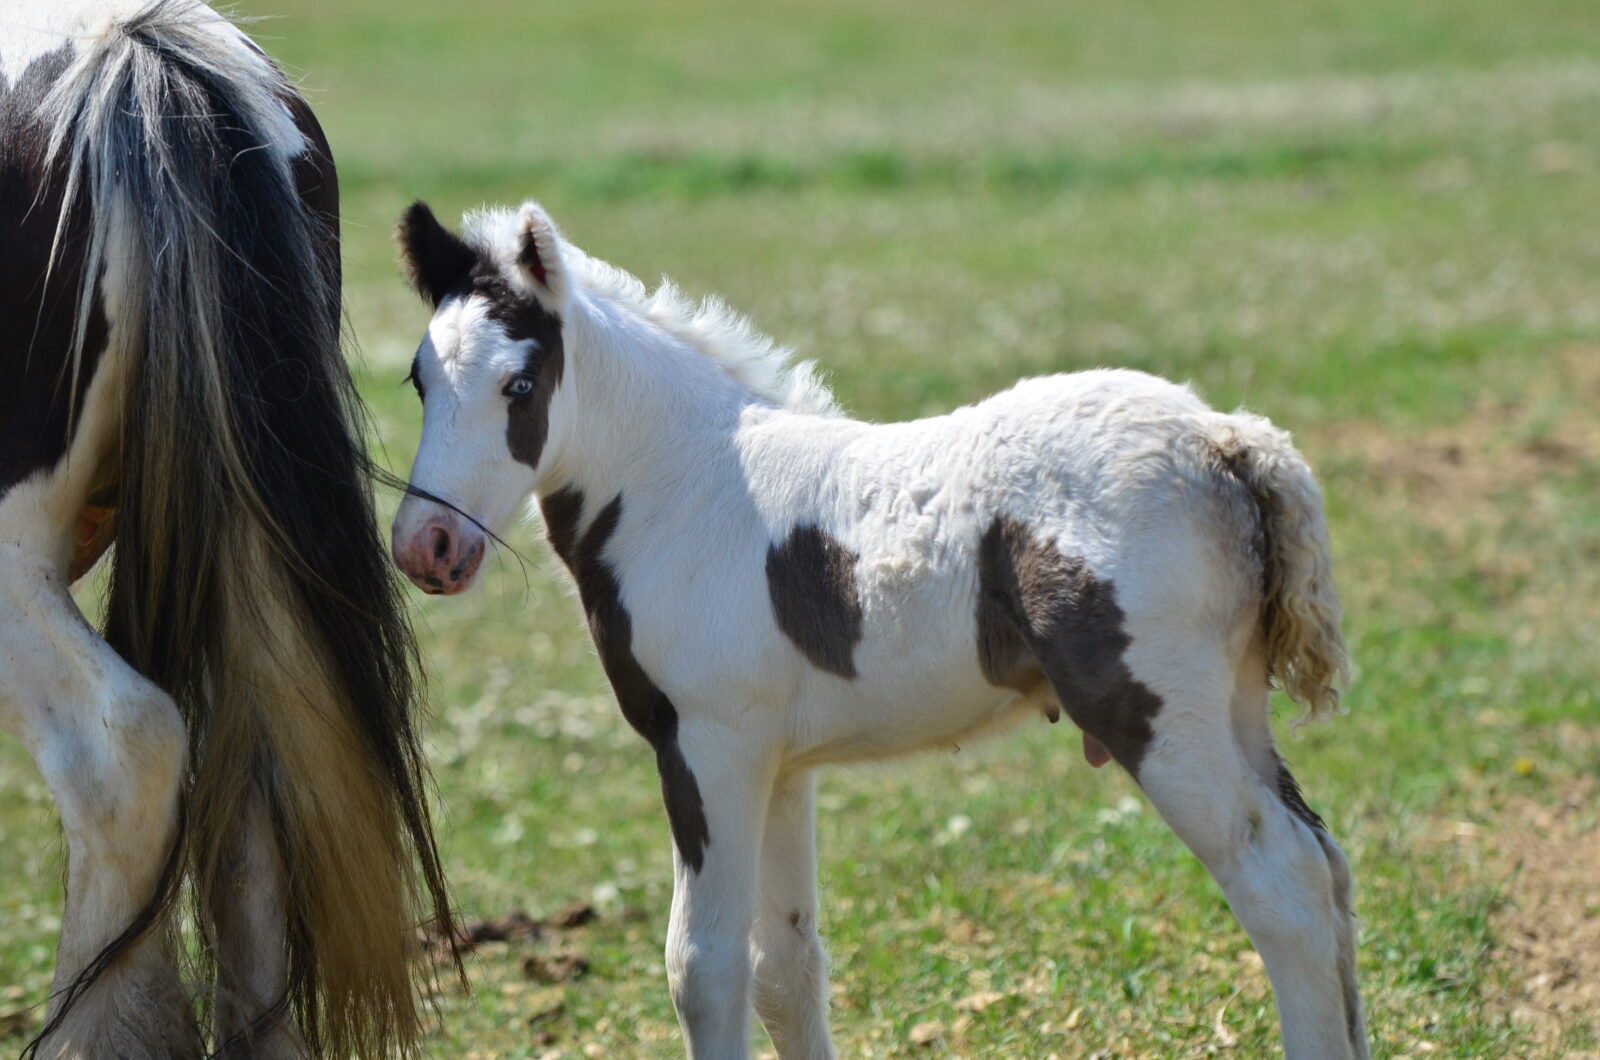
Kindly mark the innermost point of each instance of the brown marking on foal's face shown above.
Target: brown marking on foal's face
(812, 582)
(495, 348)
(526, 320)
(528, 415)
(510, 356)
(1040, 611)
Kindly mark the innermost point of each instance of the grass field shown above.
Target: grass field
(1374, 222)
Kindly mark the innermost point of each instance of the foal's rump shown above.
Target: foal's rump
(1199, 517)
(1218, 524)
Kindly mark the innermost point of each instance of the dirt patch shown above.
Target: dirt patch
(1548, 928)
(514, 926)
(1545, 427)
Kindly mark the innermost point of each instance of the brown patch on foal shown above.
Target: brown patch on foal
(645, 706)
(528, 417)
(812, 581)
(525, 319)
(562, 511)
(1292, 798)
(1040, 612)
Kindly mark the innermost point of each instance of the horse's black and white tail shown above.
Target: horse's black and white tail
(249, 578)
(1305, 648)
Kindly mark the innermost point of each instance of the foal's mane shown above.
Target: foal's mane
(765, 367)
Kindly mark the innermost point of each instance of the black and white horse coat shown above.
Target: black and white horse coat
(169, 341)
(773, 586)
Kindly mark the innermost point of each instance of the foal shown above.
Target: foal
(773, 586)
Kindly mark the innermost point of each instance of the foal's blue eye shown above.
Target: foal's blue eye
(520, 386)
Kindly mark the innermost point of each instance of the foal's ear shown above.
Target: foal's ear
(539, 257)
(435, 259)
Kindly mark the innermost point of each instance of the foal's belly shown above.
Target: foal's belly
(917, 684)
(888, 711)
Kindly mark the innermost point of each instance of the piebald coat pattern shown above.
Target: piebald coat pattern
(773, 586)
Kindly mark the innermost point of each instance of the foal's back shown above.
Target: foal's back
(891, 553)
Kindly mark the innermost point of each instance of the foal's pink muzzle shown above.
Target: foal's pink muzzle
(437, 549)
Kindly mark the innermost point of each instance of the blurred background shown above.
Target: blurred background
(1375, 222)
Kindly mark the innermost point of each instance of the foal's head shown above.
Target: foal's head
(487, 372)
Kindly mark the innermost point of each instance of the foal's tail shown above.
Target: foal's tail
(1300, 614)
(250, 581)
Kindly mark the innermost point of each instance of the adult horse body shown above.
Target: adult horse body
(773, 586)
(169, 335)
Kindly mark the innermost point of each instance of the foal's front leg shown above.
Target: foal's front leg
(791, 969)
(708, 958)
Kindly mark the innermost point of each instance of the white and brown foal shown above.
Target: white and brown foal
(773, 586)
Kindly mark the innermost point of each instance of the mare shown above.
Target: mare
(773, 586)
(241, 731)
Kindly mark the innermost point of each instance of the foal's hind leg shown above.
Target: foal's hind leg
(1283, 875)
(110, 746)
(791, 969)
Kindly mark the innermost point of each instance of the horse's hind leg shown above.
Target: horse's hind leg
(110, 746)
(791, 969)
(1283, 875)
(247, 908)
(1252, 731)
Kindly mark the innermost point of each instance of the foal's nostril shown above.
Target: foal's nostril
(441, 543)
(469, 560)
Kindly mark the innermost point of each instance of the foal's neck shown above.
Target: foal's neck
(650, 414)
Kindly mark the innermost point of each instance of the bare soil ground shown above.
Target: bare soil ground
(1471, 483)
(1547, 930)
(1456, 475)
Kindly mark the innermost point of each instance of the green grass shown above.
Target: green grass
(1372, 221)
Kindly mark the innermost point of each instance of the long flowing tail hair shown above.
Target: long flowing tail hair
(249, 578)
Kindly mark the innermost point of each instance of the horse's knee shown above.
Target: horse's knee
(113, 756)
(789, 964)
(783, 942)
(1270, 860)
(1279, 861)
(703, 975)
(689, 976)
(1289, 885)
